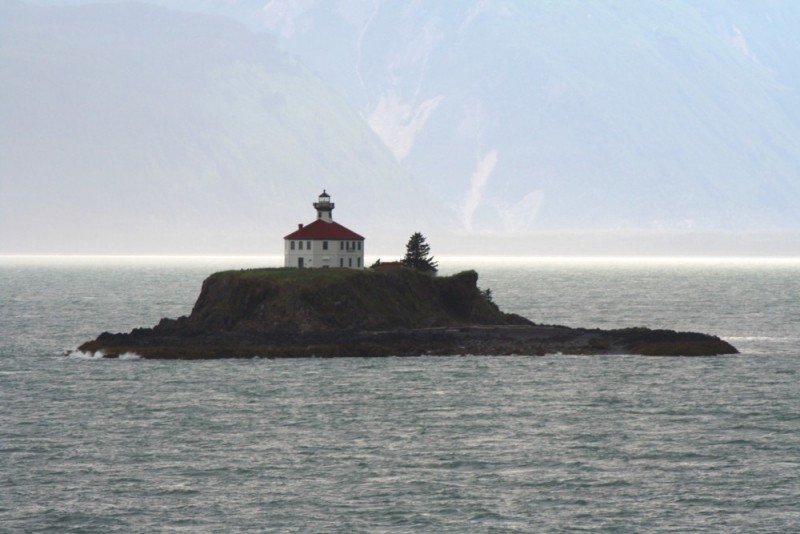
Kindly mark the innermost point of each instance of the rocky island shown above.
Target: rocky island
(289, 313)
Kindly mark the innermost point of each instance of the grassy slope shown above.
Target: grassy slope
(319, 299)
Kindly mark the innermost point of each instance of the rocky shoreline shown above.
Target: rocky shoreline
(281, 313)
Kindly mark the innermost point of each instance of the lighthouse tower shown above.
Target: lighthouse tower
(324, 207)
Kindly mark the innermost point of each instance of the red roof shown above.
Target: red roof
(320, 229)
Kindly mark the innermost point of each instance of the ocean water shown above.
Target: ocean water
(449, 444)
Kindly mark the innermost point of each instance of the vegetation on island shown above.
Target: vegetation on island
(418, 257)
(290, 299)
(417, 251)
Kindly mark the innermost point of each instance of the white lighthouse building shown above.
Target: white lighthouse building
(323, 243)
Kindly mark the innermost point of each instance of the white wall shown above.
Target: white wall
(351, 256)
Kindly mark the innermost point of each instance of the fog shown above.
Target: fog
(514, 128)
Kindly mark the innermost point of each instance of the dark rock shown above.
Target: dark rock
(284, 313)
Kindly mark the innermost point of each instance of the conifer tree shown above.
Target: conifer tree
(417, 251)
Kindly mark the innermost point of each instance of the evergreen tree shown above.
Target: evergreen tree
(416, 257)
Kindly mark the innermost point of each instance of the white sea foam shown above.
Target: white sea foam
(85, 355)
(100, 355)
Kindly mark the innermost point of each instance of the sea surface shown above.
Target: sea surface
(428, 444)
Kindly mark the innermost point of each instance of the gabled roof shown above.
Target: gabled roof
(320, 229)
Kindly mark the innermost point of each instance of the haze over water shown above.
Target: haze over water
(450, 444)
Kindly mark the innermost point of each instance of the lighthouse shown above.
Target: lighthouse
(323, 243)
(324, 207)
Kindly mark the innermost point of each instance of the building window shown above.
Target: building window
(300, 244)
(358, 262)
(359, 245)
(292, 245)
(349, 262)
(308, 245)
(324, 245)
(341, 245)
(341, 262)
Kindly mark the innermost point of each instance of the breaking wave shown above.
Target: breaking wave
(100, 355)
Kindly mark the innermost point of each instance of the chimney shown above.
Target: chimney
(300, 226)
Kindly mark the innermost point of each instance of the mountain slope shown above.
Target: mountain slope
(578, 114)
(651, 124)
(133, 128)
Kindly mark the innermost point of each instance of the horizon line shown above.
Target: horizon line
(445, 257)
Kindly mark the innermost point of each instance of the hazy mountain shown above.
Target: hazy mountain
(527, 118)
(576, 114)
(133, 128)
